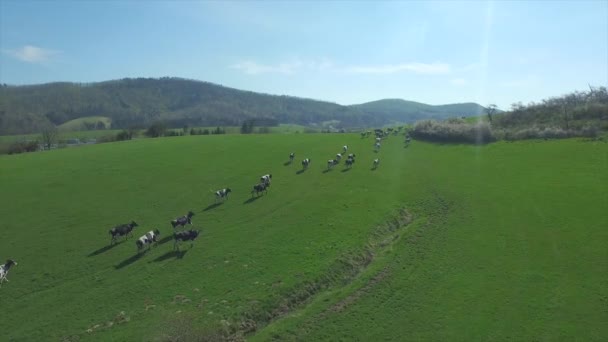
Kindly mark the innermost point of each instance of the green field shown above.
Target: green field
(507, 241)
(79, 124)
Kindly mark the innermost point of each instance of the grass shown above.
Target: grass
(79, 124)
(517, 251)
(508, 240)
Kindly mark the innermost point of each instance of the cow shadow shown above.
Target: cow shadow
(171, 255)
(286, 163)
(130, 260)
(212, 206)
(373, 168)
(346, 170)
(104, 249)
(165, 239)
(326, 170)
(300, 172)
(252, 199)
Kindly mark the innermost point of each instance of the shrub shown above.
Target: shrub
(264, 130)
(157, 129)
(453, 131)
(22, 146)
(106, 139)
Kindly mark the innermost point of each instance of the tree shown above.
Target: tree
(491, 110)
(158, 129)
(247, 126)
(49, 136)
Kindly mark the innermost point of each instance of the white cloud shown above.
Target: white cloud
(32, 54)
(253, 68)
(458, 81)
(418, 68)
(286, 68)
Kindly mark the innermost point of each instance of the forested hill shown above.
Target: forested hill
(179, 102)
(396, 109)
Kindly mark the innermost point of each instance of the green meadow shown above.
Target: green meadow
(506, 241)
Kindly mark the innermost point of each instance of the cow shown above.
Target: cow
(266, 179)
(378, 140)
(376, 163)
(338, 157)
(349, 162)
(363, 135)
(185, 235)
(377, 146)
(122, 230)
(331, 163)
(344, 148)
(351, 156)
(183, 220)
(305, 163)
(221, 194)
(407, 140)
(147, 240)
(262, 187)
(291, 156)
(4, 270)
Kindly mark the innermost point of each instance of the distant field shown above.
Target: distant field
(508, 240)
(79, 124)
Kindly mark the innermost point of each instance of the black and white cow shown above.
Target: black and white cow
(266, 179)
(344, 148)
(262, 187)
(147, 240)
(331, 163)
(351, 156)
(377, 146)
(378, 140)
(183, 220)
(376, 163)
(4, 270)
(339, 157)
(185, 235)
(291, 156)
(305, 163)
(222, 194)
(122, 230)
(349, 162)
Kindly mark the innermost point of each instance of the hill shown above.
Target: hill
(410, 111)
(179, 102)
(487, 241)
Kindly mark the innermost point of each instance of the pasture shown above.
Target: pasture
(505, 240)
(81, 123)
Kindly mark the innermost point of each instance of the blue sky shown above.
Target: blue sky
(345, 52)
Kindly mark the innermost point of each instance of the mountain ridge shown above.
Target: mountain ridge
(178, 102)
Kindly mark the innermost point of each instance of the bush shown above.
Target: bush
(106, 139)
(453, 131)
(158, 129)
(264, 130)
(124, 135)
(22, 146)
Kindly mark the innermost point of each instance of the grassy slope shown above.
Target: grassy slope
(78, 124)
(57, 208)
(521, 253)
(502, 254)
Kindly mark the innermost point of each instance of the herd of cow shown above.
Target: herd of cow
(151, 237)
